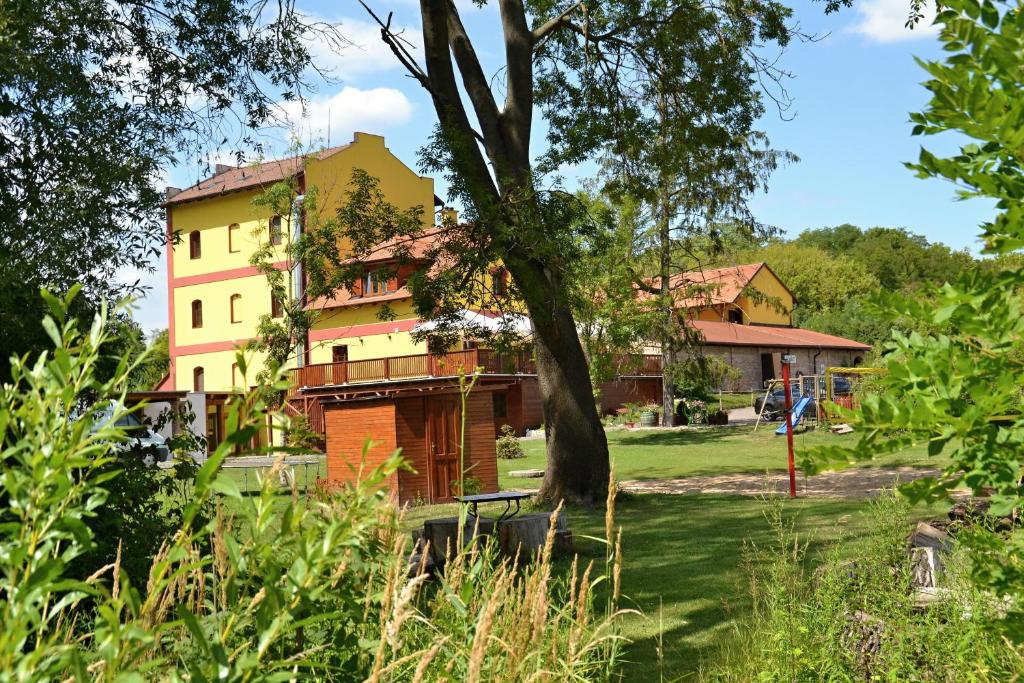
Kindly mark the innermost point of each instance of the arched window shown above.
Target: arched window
(236, 304)
(197, 313)
(197, 379)
(195, 247)
(276, 307)
(275, 230)
(233, 239)
(234, 374)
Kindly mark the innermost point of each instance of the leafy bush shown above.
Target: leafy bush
(301, 435)
(508, 446)
(271, 587)
(855, 617)
(954, 382)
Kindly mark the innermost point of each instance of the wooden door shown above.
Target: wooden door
(442, 445)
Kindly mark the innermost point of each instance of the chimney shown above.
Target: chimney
(221, 168)
(169, 192)
(449, 216)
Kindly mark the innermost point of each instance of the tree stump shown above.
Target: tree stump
(442, 535)
(524, 535)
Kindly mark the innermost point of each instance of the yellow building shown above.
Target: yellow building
(750, 294)
(216, 297)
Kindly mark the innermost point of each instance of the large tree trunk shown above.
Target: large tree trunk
(577, 466)
(506, 207)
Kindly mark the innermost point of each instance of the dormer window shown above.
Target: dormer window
(735, 315)
(373, 284)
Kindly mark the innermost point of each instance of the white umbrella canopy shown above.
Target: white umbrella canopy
(476, 322)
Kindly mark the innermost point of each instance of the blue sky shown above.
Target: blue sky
(853, 91)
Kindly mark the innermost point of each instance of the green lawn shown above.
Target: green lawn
(682, 554)
(656, 454)
(682, 567)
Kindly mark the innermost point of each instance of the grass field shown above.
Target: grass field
(657, 454)
(683, 567)
(683, 554)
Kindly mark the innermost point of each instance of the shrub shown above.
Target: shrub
(855, 617)
(271, 587)
(302, 436)
(508, 446)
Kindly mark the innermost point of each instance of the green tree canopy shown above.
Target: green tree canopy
(96, 98)
(898, 258)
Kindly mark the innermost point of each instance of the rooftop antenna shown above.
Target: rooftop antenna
(328, 125)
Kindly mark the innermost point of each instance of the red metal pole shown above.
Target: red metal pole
(789, 430)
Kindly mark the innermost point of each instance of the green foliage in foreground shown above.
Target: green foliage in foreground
(959, 390)
(856, 618)
(278, 590)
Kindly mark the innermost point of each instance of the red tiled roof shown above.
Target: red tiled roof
(731, 334)
(418, 251)
(712, 287)
(246, 177)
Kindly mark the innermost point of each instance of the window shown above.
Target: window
(197, 314)
(276, 306)
(371, 284)
(500, 401)
(233, 244)
(275, 230)
(236, 303)
(197, 379)
(339, 353)
(735, 315)
(195, 247)
(234, 374)
(499, 282)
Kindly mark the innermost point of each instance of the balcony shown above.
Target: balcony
(429, 365)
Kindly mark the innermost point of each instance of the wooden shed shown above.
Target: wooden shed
(423, 419)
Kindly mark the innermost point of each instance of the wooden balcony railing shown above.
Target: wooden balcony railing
(428, 365)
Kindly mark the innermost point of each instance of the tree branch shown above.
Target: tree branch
(554, 23)
(517, 116)
(475, 82)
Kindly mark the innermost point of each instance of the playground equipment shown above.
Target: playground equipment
(798, 412)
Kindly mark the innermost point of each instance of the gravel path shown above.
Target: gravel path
(857, 482)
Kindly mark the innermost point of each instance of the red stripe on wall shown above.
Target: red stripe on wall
(362, 330)
(209, 347)
(221, 275)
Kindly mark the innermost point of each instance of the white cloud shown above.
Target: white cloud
(351, 109)
(884, 21)
(360, 50)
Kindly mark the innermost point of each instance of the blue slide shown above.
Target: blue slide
(798, 412)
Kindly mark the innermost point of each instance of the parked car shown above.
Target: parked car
(150, 445)
(775, 403)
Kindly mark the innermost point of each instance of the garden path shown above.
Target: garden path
(855, 482)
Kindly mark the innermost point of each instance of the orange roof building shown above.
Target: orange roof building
(744, 314)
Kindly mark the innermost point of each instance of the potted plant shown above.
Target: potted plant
(697, 410)
(649, 415)
(718, 417)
